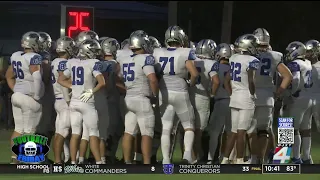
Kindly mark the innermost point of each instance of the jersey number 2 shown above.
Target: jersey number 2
(128, 73)
(265, 68)
(235, 71)
(78, 75)
(16, 66)
(165, 60)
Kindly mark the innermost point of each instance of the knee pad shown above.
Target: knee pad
(146, 125)
(262, 133)
(76, 128)
(93, 132)
(63, 132)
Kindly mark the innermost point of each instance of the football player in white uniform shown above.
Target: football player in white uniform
(84, 72)
(175, 63)
(65, 48)
(221, 116)
(271, 63)
(199, 94)
(85, 35)
(24, 78)
(139, 77)
(301, 98)
(243, 67)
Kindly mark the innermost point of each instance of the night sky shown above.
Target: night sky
(286, 21)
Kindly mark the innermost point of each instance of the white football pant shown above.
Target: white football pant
(26, 112)
(83, 111)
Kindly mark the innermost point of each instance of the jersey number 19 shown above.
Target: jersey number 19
(77, 75)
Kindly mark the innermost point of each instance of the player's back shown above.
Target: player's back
(133, 75)
(205, 67)
(264, 76)
(108, 69)
(173, 67)
(221, 92)
(239, 65)
(20, 62)
(58, 64)
(82, 77)
(315, 78)
(305, 68)
(123, 53)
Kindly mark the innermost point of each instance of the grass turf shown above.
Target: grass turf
(6, 153)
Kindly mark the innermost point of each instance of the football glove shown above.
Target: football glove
(86, 95)
(253, 97)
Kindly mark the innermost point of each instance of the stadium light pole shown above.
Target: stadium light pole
(172, 13)
(226, 22)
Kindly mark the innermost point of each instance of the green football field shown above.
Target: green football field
(6, 153)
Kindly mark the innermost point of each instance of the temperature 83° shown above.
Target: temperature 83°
(281, 169)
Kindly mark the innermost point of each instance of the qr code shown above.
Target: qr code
(285, 135)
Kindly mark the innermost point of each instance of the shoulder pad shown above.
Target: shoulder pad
(215, 66)
(293, 66)
(36, 60)
(254, 64)
(192, 55)
(149, 60)
(62, 65)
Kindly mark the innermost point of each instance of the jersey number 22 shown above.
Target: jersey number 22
(235, 71)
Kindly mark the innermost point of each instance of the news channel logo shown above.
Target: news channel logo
(30, 148)
(285, 140)
(168, 168)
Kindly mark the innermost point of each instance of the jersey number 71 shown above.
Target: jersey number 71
(164, 61)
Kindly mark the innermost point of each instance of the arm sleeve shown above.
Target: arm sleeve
(97, 68)
(67, 71)
(38, 85)
(214, 69)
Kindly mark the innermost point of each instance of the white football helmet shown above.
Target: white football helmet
(84, 35)
(313, 49)
(295, 50)
(205, 48)
(125, 44)
(248, 43)
(223, 50)
(45, 41)
(110, 46)
(263, 36)
(89, 49)
(140, 39)
(31, 40)
(175, 34)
